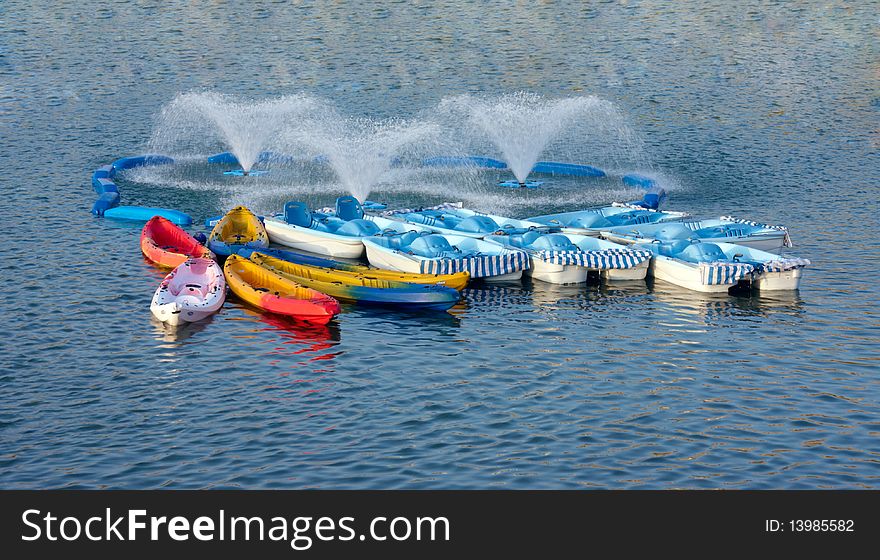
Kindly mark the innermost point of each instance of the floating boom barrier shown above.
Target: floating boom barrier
(109, 196)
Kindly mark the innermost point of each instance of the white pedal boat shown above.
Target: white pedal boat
(593, 220)
(193, 291)
(335, 234)
(717, 267)
(725, 229)
(560, 258)
(467, 223)
(434, 253)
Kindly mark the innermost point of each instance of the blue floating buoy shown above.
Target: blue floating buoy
(105, 203)
(223, 157)
(144, 213)
(104, 185)
(131, 162)
(572, 169)
(463, 161)
(372, 205)
(516, 184)
(635, 180)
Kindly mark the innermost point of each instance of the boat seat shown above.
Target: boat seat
(358, 228)
(430, 246)
(673, 232)
(298, 214)
(726, 230)
(478, 224)
(523, 240)
(402, 241)
(590, 220)
(670, 249)
(630, 218)
(702, 252)
(348, 208)
(553, 242)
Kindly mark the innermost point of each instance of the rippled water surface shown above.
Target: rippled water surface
(766, 112)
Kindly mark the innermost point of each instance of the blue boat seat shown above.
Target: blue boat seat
(523, 240)
(673, 232)
(298, 214)
(430, 246)
(348, 208)
(553, 242)
(726, 230)
(632, 217)
(402, 241)
(478, 224)
(702, 252)
(590, 220)
(358, 228)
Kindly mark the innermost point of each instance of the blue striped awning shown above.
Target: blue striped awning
(724, 273)
(786, 241)
(478, 266)
(602, 260)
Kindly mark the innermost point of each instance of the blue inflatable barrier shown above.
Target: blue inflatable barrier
(230, 159)
(634, 180)
(144, 213)
(464, 161)
(655, 197)
(105, 203)
(223, 157)
(104, 172)
(122, 164)
(572, 169)
(104, 185)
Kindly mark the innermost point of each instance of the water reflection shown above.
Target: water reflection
(178, 333)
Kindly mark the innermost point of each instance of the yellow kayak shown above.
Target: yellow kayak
(362, 288)
(271, 292)
(238, 229)
(456, 281)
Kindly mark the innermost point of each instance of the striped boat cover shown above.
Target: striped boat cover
(724, 272)
(441, 206)
(783, 264)
(478, 267)
(602, 260)
(786, 241)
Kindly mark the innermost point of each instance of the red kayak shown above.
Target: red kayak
(166, 244)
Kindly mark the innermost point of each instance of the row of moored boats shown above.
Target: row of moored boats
(422, 258)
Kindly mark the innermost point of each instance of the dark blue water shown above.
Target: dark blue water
(764, 112)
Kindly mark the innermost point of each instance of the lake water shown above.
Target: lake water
(770, 113)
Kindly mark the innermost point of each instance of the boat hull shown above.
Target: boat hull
(320, 243)
(683, 275)
(394, 260)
